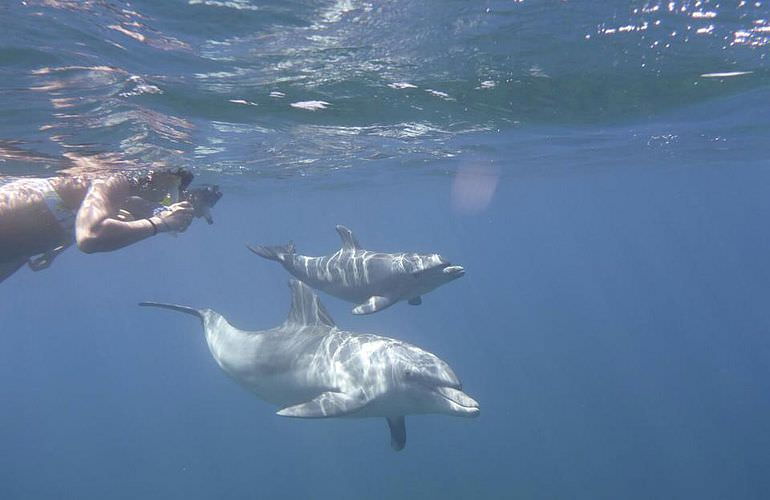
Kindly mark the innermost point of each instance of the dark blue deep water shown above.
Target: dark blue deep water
(599, 167)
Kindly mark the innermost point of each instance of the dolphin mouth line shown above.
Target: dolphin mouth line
(450, 269)
(457, 397)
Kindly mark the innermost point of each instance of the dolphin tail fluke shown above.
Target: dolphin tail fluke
(277, 253)
(184, 309)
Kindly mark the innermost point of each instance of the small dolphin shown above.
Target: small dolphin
(372, 280)
(311, 369)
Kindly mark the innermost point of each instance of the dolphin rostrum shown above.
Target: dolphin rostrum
(311, 369)
(373, 280)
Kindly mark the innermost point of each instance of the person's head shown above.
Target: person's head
(160, 185)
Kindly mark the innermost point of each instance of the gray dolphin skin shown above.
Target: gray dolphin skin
(311, 369)
(373, 280)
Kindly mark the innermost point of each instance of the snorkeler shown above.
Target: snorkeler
(40, 218)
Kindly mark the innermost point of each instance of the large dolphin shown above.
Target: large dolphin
(372, 280)
(311, 369)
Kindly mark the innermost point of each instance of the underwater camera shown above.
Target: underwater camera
(202, 198)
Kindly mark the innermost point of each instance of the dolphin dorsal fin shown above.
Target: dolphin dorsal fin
(349, 242)
(306, 307)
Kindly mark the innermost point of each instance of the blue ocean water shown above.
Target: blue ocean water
(599, 168)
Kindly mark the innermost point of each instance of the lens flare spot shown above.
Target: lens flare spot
(473, 188)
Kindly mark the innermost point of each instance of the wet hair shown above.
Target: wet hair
(141, 182)
(186, 177)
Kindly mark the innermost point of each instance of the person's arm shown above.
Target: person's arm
(97, 231)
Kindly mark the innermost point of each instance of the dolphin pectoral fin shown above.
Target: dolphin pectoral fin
(415, 301)
(326, 405)
(374, 304)
(397, 432)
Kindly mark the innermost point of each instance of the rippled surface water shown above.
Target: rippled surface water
(284, 88)
(599, 168)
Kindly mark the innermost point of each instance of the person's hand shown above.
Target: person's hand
(177, 217)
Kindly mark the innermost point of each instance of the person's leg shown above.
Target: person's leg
(10, 267)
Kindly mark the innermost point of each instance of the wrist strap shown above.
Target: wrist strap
(154, 227)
